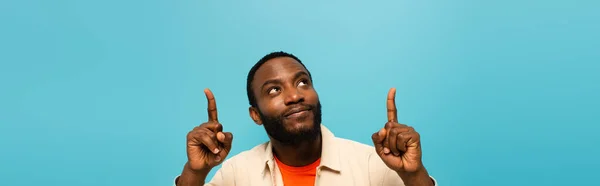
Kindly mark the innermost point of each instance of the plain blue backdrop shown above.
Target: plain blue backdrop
(103, 93)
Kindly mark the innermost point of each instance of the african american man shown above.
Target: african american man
(301, 151)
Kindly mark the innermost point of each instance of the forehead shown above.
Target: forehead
(277, 68)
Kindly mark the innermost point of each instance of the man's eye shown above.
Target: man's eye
(273, 90)
(302, 83)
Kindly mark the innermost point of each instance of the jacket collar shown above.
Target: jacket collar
(330, 156)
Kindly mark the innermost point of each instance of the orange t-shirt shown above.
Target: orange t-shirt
(301, 176)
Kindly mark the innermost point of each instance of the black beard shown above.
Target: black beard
(274, 127)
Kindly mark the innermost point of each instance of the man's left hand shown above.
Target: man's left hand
(398, 145)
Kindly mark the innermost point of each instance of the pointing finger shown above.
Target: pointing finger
(212, 105)
(391, 106)
(213, 126)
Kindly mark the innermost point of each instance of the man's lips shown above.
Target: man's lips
(295, 112)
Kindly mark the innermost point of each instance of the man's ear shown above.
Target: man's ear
(254, 115)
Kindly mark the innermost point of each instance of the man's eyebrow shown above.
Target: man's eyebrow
(270, 81)
(278, 81)
(301, 73)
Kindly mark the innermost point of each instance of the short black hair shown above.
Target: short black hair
(273, 55)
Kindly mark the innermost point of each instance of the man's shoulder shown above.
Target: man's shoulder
(250, 155)
(349, 145)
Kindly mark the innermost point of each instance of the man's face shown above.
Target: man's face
(288, 105)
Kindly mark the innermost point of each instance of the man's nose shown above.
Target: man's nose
(293, 96)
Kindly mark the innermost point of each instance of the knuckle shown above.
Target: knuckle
(192, 134)
(207, 137)
(389, 124)
(203, 125)
(210, 134)
(393, 132)
(402, 136)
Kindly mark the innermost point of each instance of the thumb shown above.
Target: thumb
(378, 138)
(226, 138)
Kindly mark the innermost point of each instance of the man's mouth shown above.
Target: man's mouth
(297, 112)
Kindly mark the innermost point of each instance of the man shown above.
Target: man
(300, 151)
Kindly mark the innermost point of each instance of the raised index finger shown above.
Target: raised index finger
(212, 105)
(392, 114)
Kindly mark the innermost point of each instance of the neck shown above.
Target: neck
(298, 155)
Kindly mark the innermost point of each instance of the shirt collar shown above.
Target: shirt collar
(330, 156)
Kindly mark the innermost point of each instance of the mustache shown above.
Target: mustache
(296, 108)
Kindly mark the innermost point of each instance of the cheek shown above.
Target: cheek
(273, 106)
(312, 96)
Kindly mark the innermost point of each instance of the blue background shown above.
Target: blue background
(103, 92)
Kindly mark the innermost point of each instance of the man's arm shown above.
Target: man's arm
(419, 178)
(224, 176)
(190, 177)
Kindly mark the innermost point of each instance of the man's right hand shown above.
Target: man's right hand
(207, 146)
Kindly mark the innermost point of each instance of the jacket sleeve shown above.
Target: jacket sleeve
(223, 176)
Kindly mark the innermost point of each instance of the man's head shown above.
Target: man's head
(282, 98)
